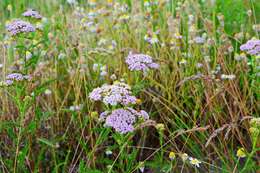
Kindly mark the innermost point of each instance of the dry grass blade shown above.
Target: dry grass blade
(215, 133)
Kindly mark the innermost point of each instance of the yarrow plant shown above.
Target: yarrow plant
(140, 62)
(15, 77)
(19, 26)
(118, 93)
(123, 120)
(199, 40)
(252, 47)
(32, 13)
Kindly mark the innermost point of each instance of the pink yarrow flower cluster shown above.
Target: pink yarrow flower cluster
(140, 62)
(252, 47)
(118, 93)
(123, 120)
(32, 13)
(15, 77)
(19, 26)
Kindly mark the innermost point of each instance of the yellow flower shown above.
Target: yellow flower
(241, 153)
(6, 42)
(7, 22)
(255, 121)
(94, 115)
(39, 25)
(195, 162)
(183, 61)
(110, 47)
(116, 82)
(243, 54)
(2, 84)
(184, 157)
(160, 126)
(28, 55)
(177, 35)
(9, 7)
(124, 17)
(35, 42)
(172, 155)
(83, 20)
(138, 101)
(253, 130)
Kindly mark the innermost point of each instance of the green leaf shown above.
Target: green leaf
(83, 168)
(45, 141)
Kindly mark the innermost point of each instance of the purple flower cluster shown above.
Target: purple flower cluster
(123, 120)
(140, 62)
(11, 78)
(118, 93)
(19, 26)
(252, 47)
(199, 40)
(32, 13)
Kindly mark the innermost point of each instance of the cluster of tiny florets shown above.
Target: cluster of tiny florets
(118, 93)
(32, 13)
(15, 77)
(140, 62)
(19, 26)
(252, 47)
(199, 40)
(123, 120)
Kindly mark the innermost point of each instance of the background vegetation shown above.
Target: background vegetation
(49, 124)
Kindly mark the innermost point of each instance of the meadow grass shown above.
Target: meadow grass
(203, 100)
